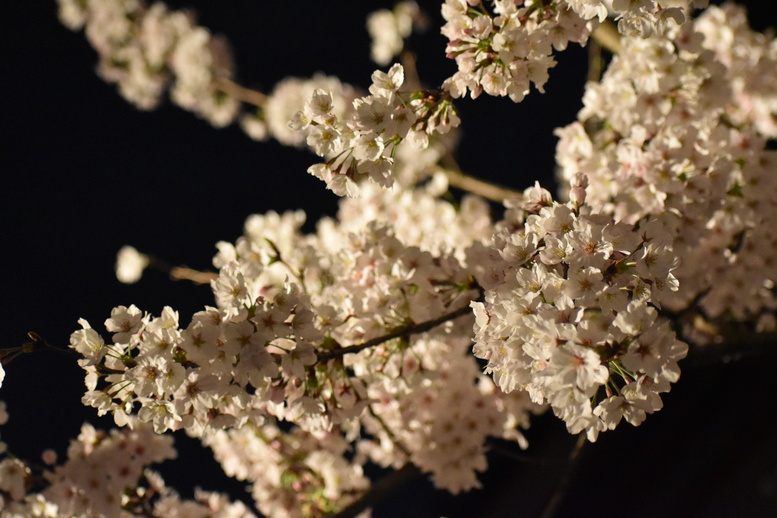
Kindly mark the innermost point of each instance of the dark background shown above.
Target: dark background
(84, 173)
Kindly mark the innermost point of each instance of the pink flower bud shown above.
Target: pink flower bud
(577, 192)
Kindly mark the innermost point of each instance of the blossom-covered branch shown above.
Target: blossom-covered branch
(662, 241)
(402, 331)
(364, 146)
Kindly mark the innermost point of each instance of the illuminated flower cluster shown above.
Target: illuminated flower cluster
(145, 51)
(198, 378)
(440, 422)
(641, 17)
(105, 475)
(677, 128)
(363, 146)
(284, 341)
(570, 311)
(504, 51)
(292, 475)
(101, 466)
(271, 119)
(327, 350)
(750, 60)
(389, 29)
(503, 46)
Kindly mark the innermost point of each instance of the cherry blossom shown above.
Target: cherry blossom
(414, 326)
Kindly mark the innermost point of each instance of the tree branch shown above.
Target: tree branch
(561, 489)
(595, 61)
(474, 185)
(239, 92)
(734, 347)
(406, 330)
(183, 273)
(380, 490)
(479, 187)
(607, 35)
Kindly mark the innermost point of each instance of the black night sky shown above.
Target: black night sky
(84, 173)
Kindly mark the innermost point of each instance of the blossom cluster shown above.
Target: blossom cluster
(389, 29)
(440, 423)
(353, 344)
(674, 128)
(363, 146)
(642, 17)
(570, 311)
(198, 378)
(359, 326)
(145, 51)
(502, 47)
(503, 52)
(271, 119)
(106, 475)
(373, 283)
(292, 475)
(749, 60)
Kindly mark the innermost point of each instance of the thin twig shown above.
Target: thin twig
(39, 343)
(412, 79)
(496, 446)
(182, 273)
(480, 187)
(380, 490)
(410, 329)
(561, 489)
(607, 35)
(241, 93)
(733, 348)
(401, 447)
(595, 61)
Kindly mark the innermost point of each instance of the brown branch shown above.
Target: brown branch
(479, 187)
(182, 273)
(595, 61)
(561, 489)
(482, 188)
(239, 92)
(607, 35)
(401, 447)
(412, 79)
(380, 490)
(410, 329)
